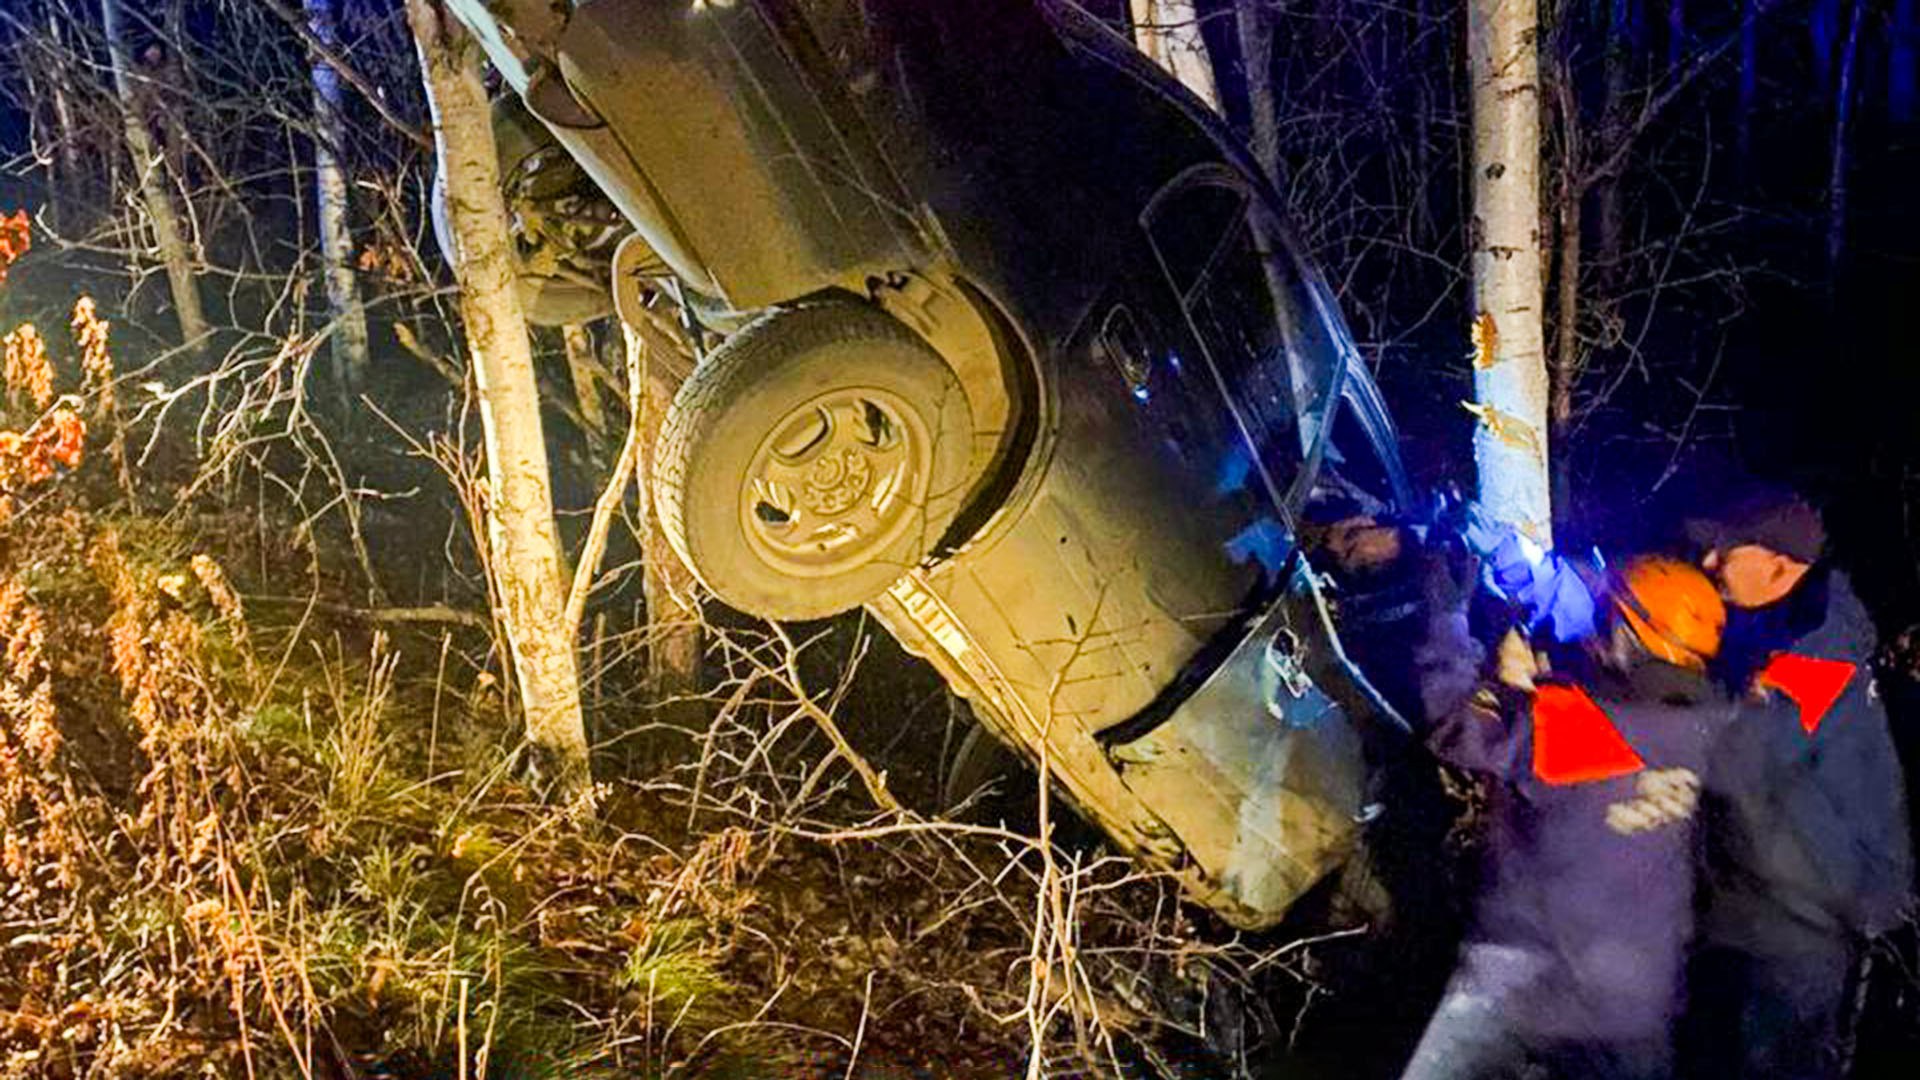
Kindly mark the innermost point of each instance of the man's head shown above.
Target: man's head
(1753, 575)
(1760, 546)
(1665, 610)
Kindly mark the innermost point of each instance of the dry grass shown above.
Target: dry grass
(237, 845)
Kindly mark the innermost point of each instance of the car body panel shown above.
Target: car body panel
(1110, 609)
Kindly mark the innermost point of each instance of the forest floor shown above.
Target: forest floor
(247, 836)
(254, 835)
(259, 820)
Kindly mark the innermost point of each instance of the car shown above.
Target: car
(1011, 347)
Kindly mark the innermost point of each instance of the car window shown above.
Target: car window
(1218, 255)
(1307, 321)
(1197, 225)
(1353, 477)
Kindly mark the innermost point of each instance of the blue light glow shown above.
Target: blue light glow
(1235, 467)
(1265, 541)
(1530, 549)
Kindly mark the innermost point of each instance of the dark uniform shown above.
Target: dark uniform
(1575, 957)
(1808, 851)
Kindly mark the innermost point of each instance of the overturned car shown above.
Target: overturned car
(1014, 351)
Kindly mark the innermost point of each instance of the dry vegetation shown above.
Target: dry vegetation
(251, 837)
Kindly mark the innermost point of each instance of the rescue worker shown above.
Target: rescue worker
(1807, 852)
(1574, 959)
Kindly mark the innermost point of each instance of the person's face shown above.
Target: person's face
(1752, 576)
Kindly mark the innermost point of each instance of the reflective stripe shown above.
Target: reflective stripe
(1813, 684)
(1574, 742)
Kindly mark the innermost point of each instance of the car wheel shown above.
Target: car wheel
(811, 460)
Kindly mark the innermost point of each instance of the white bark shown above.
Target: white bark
(349, 340)
(524, 544)
(1510, 370)
(1168, 31)
(169, 242)
(70, 173)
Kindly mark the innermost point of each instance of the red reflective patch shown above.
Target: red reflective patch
(1574, 742)
(1812, 683)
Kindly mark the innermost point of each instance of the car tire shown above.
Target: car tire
(812, 459)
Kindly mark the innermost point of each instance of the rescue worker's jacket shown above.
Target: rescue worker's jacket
(1590, 838)
(1807, 822)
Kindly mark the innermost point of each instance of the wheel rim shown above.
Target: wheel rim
(836, 481)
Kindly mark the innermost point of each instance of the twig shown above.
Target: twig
(789, 680)
(433, 613)
(860, 1033)
(615, 492)
(347, 71)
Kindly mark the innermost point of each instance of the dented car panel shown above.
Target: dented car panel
(1159, 371)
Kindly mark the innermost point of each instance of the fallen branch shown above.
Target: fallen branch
(432, 613)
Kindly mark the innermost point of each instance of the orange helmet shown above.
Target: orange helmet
(1672, 608)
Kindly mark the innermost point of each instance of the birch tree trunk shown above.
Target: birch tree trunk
(349, 340)
(149, 166)
(1168, 31)
(1510, 370)
(525, 547)
(69, 179)
(1255, 26)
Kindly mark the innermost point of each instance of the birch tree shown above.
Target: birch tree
(349, 340)
(1510, 370)
(1168, 31)
(523, 542)
(149, 165)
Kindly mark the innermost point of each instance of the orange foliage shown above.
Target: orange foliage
(36, 828)
(226, 601)
(55, 441)
(16, 236)
(29, 371)
(156, 651)
(96, 362)
(387, 259)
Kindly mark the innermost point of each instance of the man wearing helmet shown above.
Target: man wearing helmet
(1575, 956)
(1807, 849)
